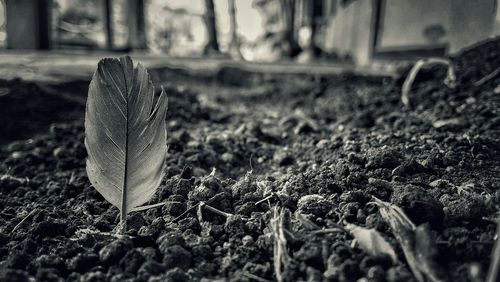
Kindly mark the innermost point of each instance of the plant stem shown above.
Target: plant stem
(214, 210)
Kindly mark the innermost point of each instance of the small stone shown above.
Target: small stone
(234, 225)
(15, 275)
(247, 241)
(132, 261)
(114, 251)
(50, 228)
(314, 204)
(210, 185)
(18, 260)
(283, 158)
(310, 253)
(244, 186)
(82, 262)
(135, 221)
(375, 273)
(466, 208)
(202, 252)
(245, 209)
(58, 152)
(182, 187)
(227, 157)
(322, 143)
(17, 155)
(350, 211)
(169, 239)
(50, 261)
(94, 276)
(149, 268)
(176, 256)
(190, 223)
(383, 157)
(408, 168)
(355, 158)
(174, 206)
(418, 204)
(304, 127)
(398, 274)
(47, 274)
(176, 275)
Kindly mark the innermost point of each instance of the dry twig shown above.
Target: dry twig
(24, 219)
(494, 270)
(280, 251)
(449, 80)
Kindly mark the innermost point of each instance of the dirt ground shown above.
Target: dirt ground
(242, 143)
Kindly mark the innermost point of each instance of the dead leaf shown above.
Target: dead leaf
(426, 251)
(411, 239)
(371, 241)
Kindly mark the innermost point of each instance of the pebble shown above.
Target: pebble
(283, 158)
(383, 157)
(314, 204)
(82, 262)
(210, 185)
(176, 256)
(465, 208)
(418, 204)
(149, 268)
(114, 251)
(169, 239)
(176, 275)
(132, 261)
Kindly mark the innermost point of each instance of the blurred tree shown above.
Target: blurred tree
(289, 39)
(28, 24)
(311, 16)
(108, 23)
(212, 45)
(279, 19)
(234, 44)
(136, 24)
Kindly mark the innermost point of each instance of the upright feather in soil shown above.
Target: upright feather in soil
(125, 134)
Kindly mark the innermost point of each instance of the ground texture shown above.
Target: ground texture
(242, 143)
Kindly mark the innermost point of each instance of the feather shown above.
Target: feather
(125, 134)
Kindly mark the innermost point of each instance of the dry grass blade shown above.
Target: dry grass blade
(408, 83)
(143, 208)
(24, 220)
(417, 244)
(494, 270)
(280, 251)
(488, 77)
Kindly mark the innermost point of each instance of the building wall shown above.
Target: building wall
(471, 21)
(22, 24)
(403, 24)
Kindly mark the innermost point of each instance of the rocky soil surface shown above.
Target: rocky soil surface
(319, 148)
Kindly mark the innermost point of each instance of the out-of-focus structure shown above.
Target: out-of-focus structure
(387, 29)
(361, 31)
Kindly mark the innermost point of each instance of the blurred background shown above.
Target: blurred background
(358, 31)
